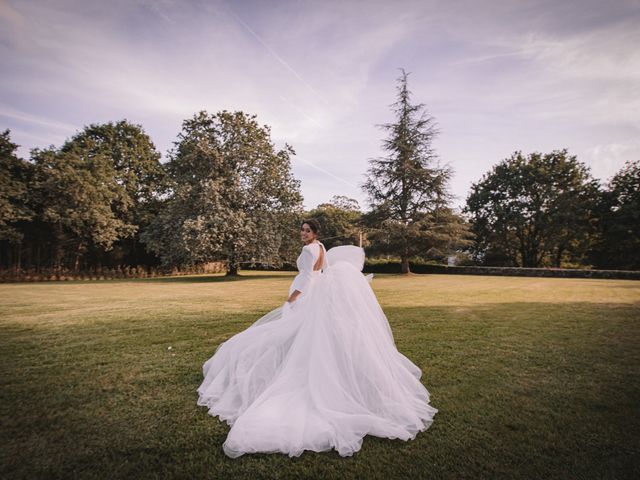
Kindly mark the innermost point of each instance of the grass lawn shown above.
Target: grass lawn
(533, 378)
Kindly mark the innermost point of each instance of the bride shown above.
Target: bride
(321, 371)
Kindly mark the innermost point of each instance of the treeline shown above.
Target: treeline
(533, 211)
(81, 205)
(544, 210)
(227, 196)
(104, 199)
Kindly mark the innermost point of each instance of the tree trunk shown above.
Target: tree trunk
(57, 247)
(19, 262)
(559, 256)
(233, 263)
(9, 257)
(28, 263)
(404, 264)
(233, 269)
(76, 265)
(404, 259)
(135, 250)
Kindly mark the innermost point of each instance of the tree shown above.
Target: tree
(232, 194)
(339, 219)
(533, 211)
(15, 176)
(620, 220)
(75, 193)
(135, 160)
(137, 170)
(92, 193)
(408, 187)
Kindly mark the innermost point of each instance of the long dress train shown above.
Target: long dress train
(319, 373)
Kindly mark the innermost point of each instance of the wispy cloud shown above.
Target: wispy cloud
(498, 76)
(330, 174)
(9, 15)
(279, 58)
(11, 113)
(604, 159)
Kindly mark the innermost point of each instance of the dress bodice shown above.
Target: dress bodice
(305, 262)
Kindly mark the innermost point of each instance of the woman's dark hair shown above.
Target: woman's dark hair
(314, 225)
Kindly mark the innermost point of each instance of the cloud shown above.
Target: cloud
(497, 76)
(14, 114)
(606, 159)
(10, 16)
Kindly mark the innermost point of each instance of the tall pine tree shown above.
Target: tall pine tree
(407, 189)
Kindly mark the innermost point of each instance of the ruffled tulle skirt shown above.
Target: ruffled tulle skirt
(317, 376)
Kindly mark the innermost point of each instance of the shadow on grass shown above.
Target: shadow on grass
(213, 278)
(196, 278)
(524, 391)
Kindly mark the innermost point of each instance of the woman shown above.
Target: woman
(320, 372)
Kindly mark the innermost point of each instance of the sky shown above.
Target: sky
(497, 76)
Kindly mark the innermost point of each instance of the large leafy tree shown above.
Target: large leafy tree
(339, 220)
(620, 221)
(15, 176)
(533, 211)
(408, 187)
(74, 195)
(138, 173)
(92, 192)
(233, 196)
(134, 159)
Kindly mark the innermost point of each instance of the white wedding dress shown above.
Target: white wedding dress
(319, 373)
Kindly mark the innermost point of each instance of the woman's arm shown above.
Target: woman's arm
(293, 296)
(302, 280)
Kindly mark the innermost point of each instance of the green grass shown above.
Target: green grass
(533, 378)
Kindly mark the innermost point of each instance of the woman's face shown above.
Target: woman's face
(306, 234)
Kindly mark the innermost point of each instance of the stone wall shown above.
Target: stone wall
(394, 267)
(106, 273)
